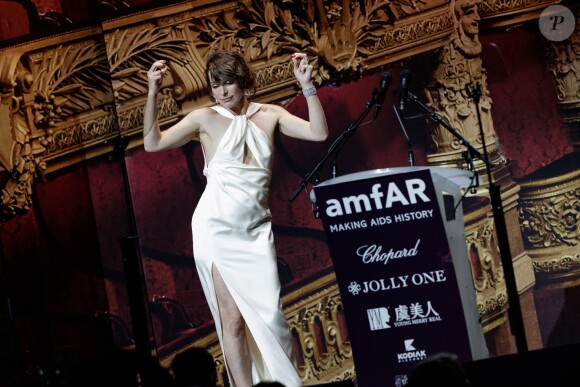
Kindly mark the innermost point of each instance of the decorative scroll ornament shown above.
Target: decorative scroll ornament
(61, 104)
(459, 68)
(485, 262)
(553, 221)
(550, 221)
(338, 35)
(564, 62)
(20, 147)
(501, 12)
(42, 91)
(132, 52)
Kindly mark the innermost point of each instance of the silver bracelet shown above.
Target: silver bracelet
(309, 91)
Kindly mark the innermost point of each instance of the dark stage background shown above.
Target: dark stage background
(61, 262)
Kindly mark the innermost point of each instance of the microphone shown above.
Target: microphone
(405, 80)
(386, 80)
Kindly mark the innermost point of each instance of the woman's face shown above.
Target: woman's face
(228, 94)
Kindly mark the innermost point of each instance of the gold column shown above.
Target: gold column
(550, 197)
(460, 71)
(564, 62)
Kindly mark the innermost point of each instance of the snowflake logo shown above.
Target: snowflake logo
(354, 288)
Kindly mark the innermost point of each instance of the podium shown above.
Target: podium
(396, 239)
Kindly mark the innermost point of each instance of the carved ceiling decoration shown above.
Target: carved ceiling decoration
(66, 98)
(501, 13)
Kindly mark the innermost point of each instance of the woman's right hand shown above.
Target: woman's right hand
(155, 75)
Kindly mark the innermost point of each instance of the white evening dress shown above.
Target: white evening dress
(232, 233)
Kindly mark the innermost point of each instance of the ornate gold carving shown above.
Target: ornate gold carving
(565, 65)
(484, 256)
(132, 51)
(339, 35)
(60, 95)
(550, 217)
(564, 62)
(487, 271)
(72, 99)
(69, 80)
(493, 7)
(459, 70)
(395, 39)
(401, 8)
(49, 88)
(21, 146)
(508, 12)
(552, 221)
(459, 81)
(316, 318)
(73, 93)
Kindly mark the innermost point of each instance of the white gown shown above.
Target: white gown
(232, 232)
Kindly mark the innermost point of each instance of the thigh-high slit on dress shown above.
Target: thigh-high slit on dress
(232, 234)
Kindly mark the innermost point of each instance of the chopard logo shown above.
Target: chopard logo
(375, 254)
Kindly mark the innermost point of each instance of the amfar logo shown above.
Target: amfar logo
(411, 354)
(412, 193)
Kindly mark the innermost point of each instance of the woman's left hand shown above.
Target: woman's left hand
(302, 69)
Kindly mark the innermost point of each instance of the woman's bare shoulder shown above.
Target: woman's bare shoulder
(271, 108)
(201, 116)
(272, 112)
(204, 111)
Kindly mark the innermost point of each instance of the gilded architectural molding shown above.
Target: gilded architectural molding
(549, 215)
(486, 267)
(64, 98)
(20, 146)
(459, 73)
(498, 13)
(564, 63)
(459, 80)
(56, 101)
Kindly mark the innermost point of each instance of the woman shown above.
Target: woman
(232, 237)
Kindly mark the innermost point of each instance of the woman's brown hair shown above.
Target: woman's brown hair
(224, 65)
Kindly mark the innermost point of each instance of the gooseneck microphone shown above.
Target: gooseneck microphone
(386, 80)
(405, 80)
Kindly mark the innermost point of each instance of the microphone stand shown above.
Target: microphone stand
(441, 120)
(514, 310)
(407, 140)
(348, 133)
(337, 144)
(145, 350)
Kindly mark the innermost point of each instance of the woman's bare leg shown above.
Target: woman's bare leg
(236, 350)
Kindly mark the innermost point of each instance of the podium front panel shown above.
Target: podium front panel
(395, 273)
